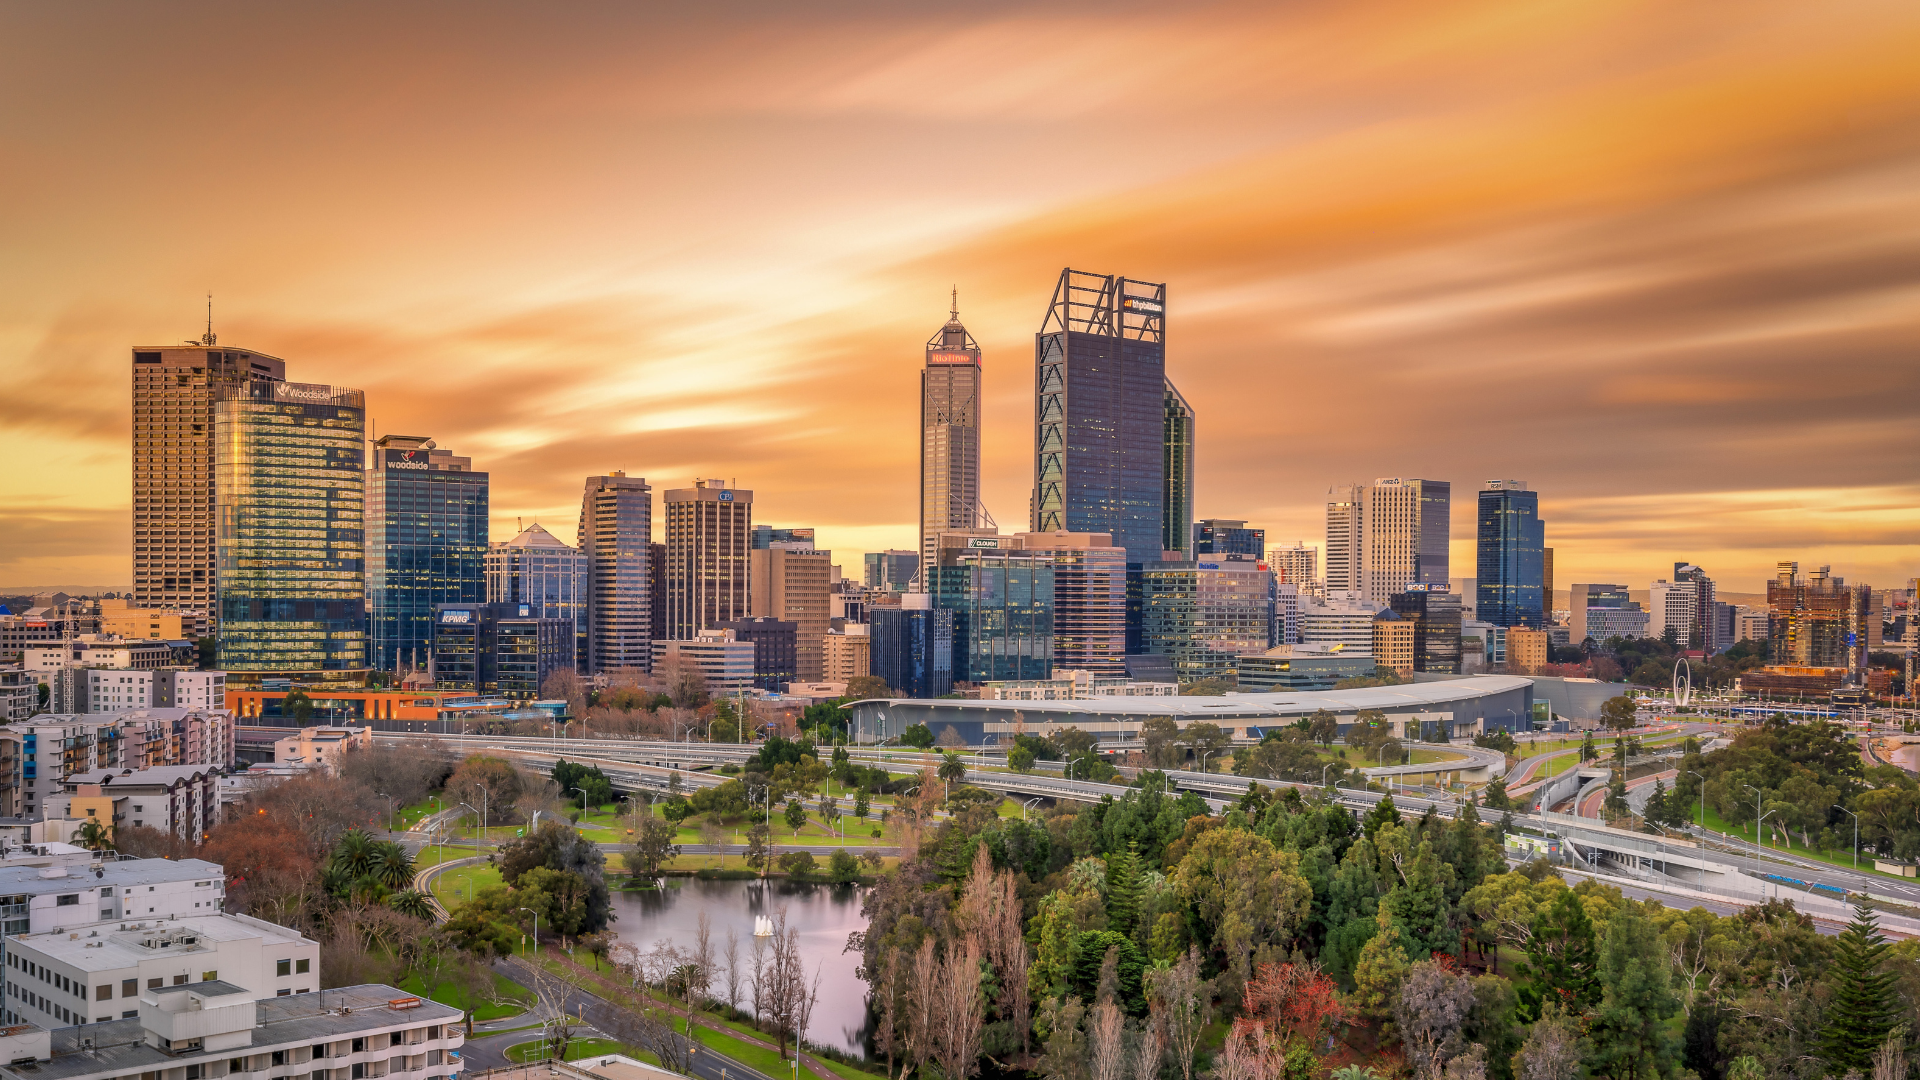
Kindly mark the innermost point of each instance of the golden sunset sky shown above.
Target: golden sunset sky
(1660, 260)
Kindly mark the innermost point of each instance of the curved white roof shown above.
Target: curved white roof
(1425, 695)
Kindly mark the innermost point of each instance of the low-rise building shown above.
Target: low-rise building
(726, 661)
(1393, 644)
(1300, 667)
(213, 1028)
(50, 889)
(180, 799)
(1526, 650)
(847, 654)
(95, 973)
(19, 694)
(1343, 621)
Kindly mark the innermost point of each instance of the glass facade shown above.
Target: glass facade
(538, 568)
(505, 649)
(1206, 614)
(1002, 604)
(913, 650)
(1436, 627)
(1101, 413)
(1220, 536)
(1089, 604)
(426, 545)
(1176, 449)
(1509, 542)
(290, 483)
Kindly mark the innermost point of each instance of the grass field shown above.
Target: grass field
(517, 998)
(1842, 858)
(536, 1050)
(461, 882)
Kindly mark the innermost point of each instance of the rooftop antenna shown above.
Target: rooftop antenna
(955, 312)
(209, 338)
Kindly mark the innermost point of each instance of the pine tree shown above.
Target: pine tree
(1495, 795)
(1562, 959)
(1383, 813)
(1862, 1012)
(1123, 889)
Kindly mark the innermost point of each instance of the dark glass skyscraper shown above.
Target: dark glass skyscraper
(1176, 451)
(913, 647)
(426, 544)
(289, 480)
(1101, 411)
(1507, 556)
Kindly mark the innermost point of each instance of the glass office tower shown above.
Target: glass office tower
(426, 544)
(913, 647)
(1176, 452)
(539, 569)
(289, 479)
(949, 435)
(1206, 614)
(1509, 542)
(1002, 604)
(1100, 412)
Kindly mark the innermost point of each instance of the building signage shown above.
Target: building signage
(726, 496)
(1209, 566)
(302, 392)
(407, 459)
(458, 616)
(1144, 306)
(983, 542)
(1430, 587)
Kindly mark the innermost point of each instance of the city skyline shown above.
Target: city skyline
(1652, 300)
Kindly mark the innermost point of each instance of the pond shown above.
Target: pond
(823, 914)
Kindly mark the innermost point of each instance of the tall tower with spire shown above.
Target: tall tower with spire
(949, 436)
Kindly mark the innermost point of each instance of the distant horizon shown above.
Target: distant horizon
(1649, 260)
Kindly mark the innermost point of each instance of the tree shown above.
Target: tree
(1207, 740)
(652, 845)
(1323, 727)
(759, 845)
(1495, 794)
(298, 706)
(1161, 734)
(866, 687)
(1123, 888)
(917, 735)
(1185, 1000)
(795, 814)
(862, 804)
(1433, 1006)
(1245, 893)
(1862, 1012)
(1562, 960)
(1553, 1050)
(953, 770)
(1629, 1029)
(1020, 759)
(1617, 712)
(488, 784)
(94, 836)
(684, 679)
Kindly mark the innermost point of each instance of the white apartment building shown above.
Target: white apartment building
(1407, 532)
(96, 973)
(180, 799)
(1288, 599)
(1671, 604)
(207, 1030)
(54, 893)
(19, 694)
(118, 689)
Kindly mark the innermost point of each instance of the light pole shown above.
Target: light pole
(536, 927)
(1758, 817)
(1204, 754)
(583, 799)
(476, 835)
(1323, 773)
(1703, 822)
(1029, 802)
(1856, 833)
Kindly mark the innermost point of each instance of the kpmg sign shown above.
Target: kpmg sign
(458, 616)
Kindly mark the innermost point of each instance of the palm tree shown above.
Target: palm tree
(392, 866)
(94, 836)
(411, 902)
(952, 769)
(354, 853)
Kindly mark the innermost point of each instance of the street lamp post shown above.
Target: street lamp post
(1029, 802)
(1856, 833)
(1204, 754)
(1323, 773)
(536, 927)
(1758, 817)
(1703, 823)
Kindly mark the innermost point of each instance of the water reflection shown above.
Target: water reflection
(823, 914)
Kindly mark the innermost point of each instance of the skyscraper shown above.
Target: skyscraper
(1207, 613)
(1223, 536)
(1346, 541)
(1089, 600)
(1100, 412)
(1406, 535)
(615, 536)
(790, 582)
(290, 484)
(426, 544)
(1177, 458)
(539, 569)
(174, 392)
(709, 533)
(949, 433)
(1509, 540)
(1001, 598)
(1296, 565)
